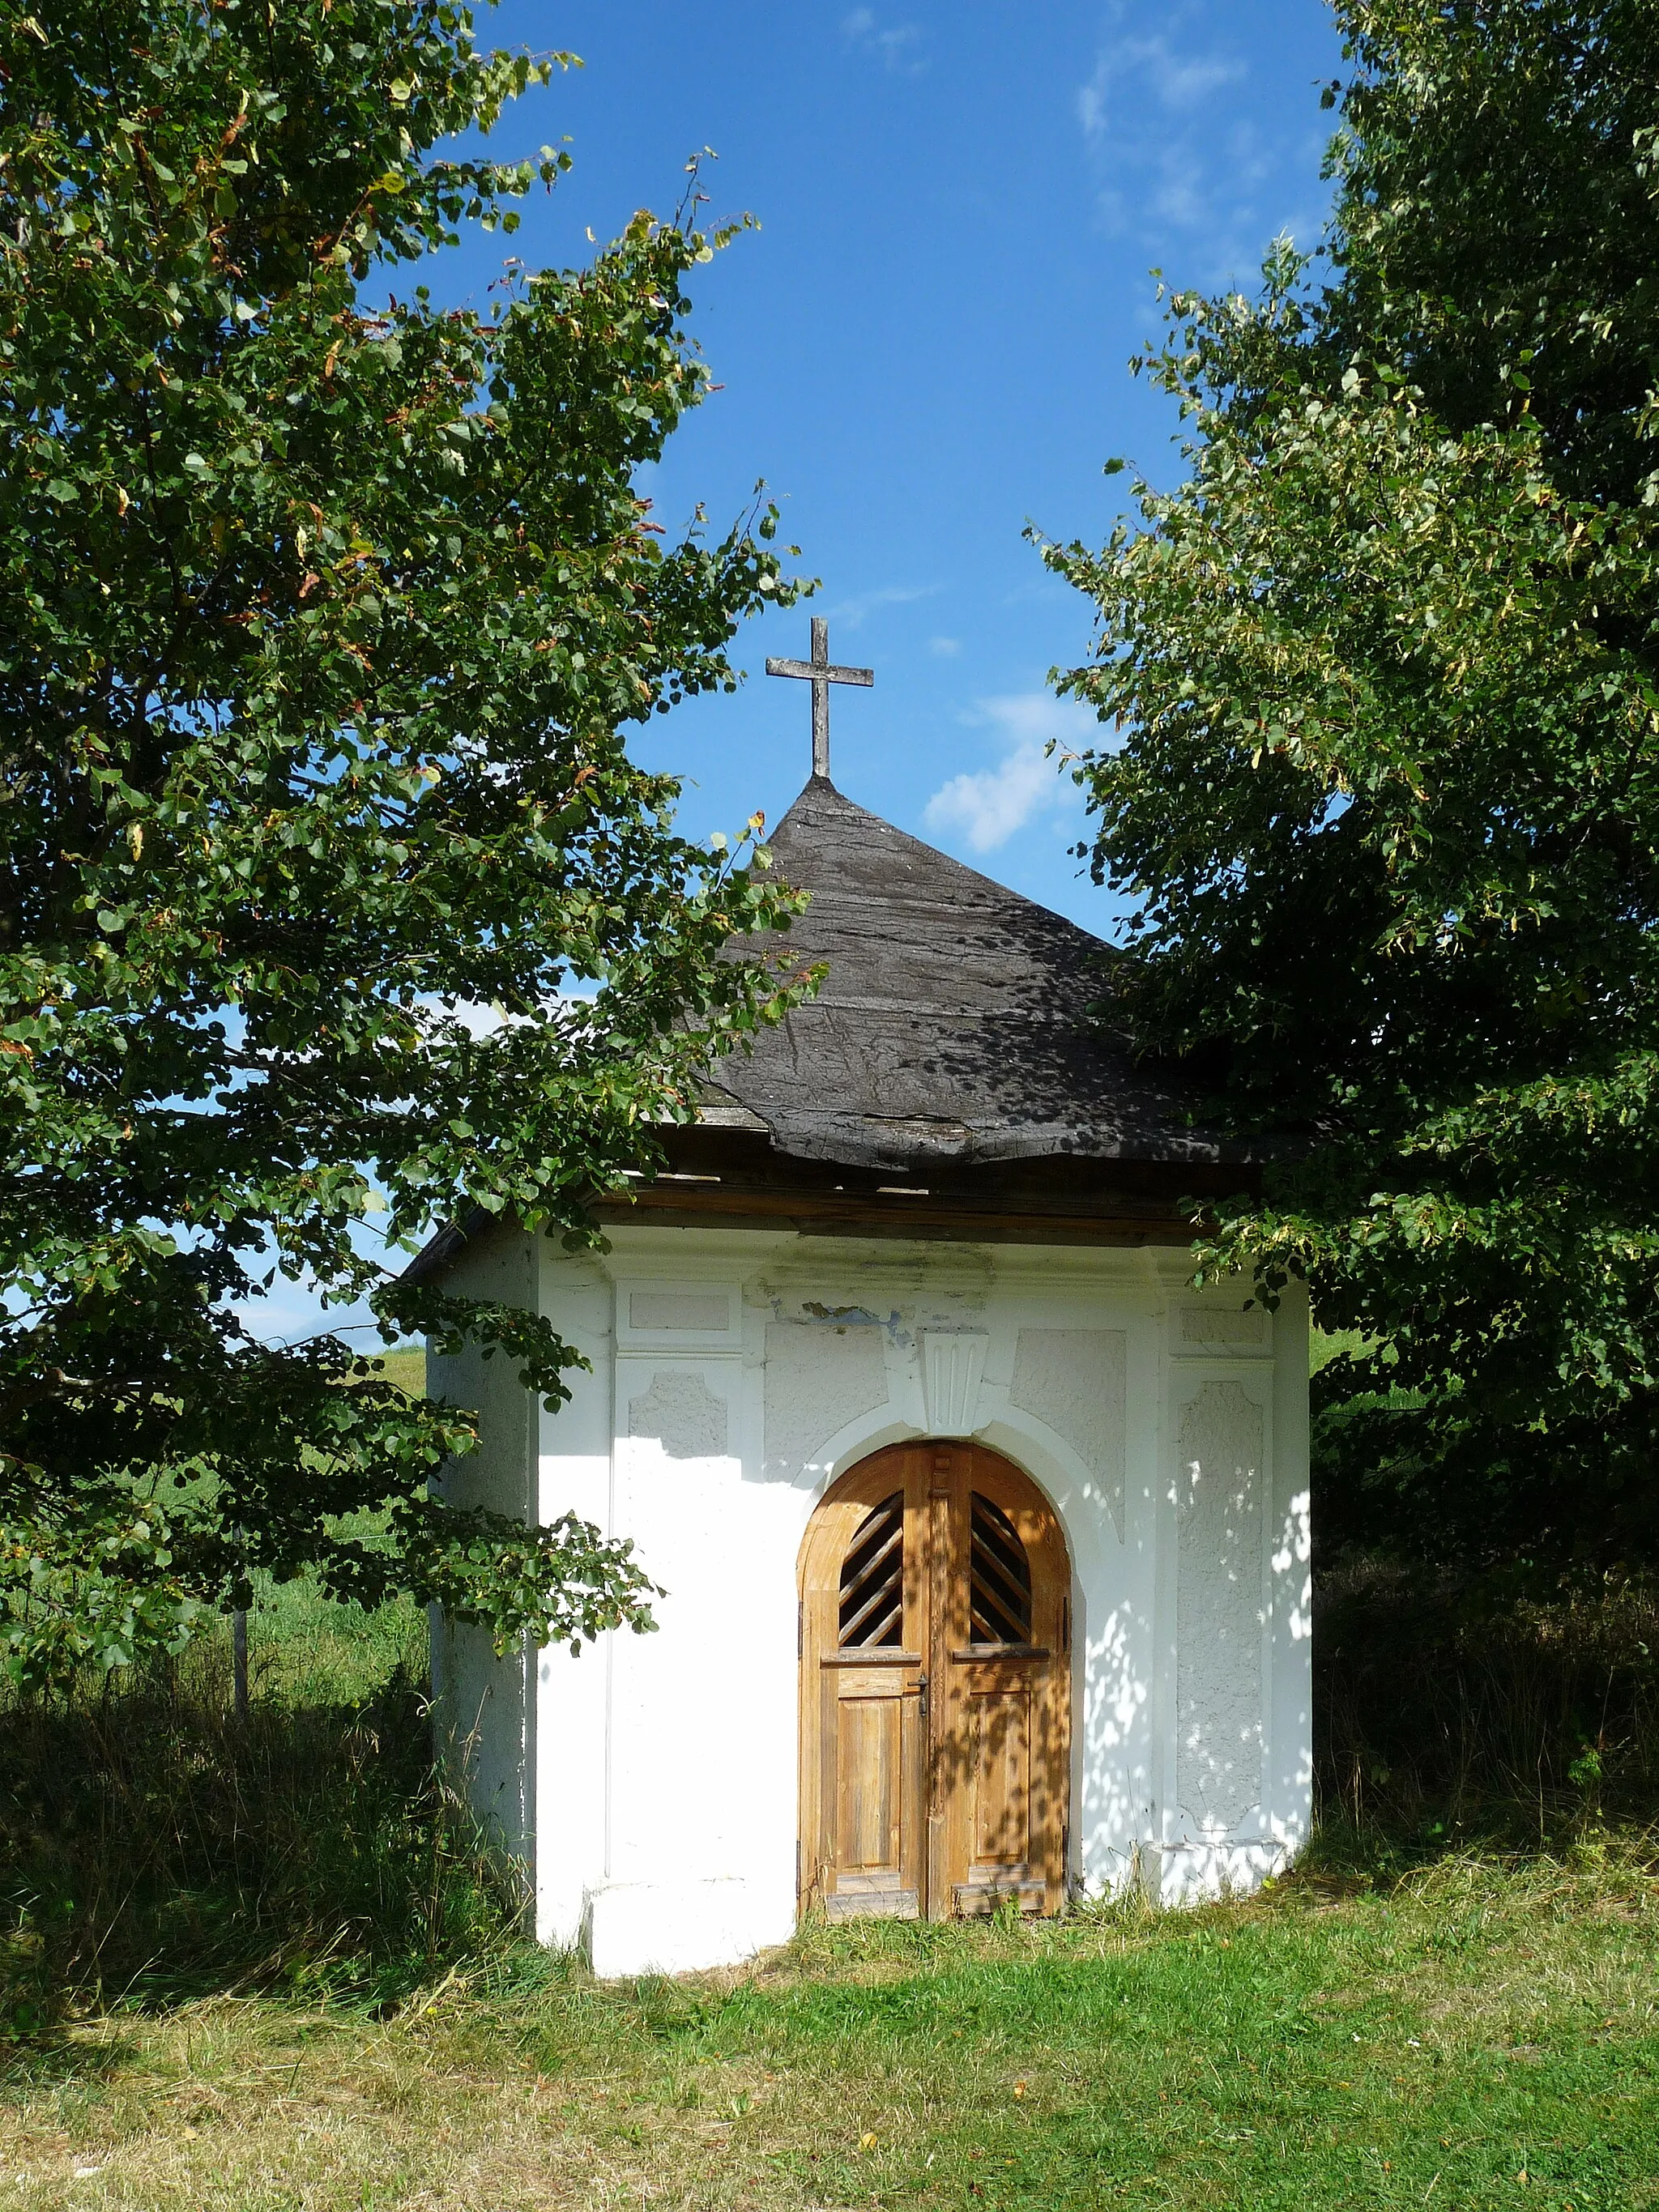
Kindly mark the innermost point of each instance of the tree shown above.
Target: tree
(1386, 799)
(323, 614)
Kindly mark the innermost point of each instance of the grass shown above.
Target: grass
(154, 1850)
(1475, 2036)
(1448, 1706)
(405, 1365)
(307, 1649)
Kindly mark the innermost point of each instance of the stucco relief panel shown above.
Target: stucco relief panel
(706, 1312)
(1072, 1379)
(817, 1379)
(1218, 1324)
(1218, 1626)
(681, 1413)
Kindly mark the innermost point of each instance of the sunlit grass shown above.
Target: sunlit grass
(1477, 2036)
(405, 1366)
(305, 1649)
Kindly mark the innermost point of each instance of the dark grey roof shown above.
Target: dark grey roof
(952, 1024)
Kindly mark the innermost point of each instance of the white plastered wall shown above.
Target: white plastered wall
(735, 1374)
(1234, 1673)
(485, 1712)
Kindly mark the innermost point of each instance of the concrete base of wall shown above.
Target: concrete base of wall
(1192, 1874)
(681, 1927)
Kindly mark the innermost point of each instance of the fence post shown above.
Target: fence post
(239, 1661)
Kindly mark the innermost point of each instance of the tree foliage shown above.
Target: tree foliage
(1385, 791)
(323, 614)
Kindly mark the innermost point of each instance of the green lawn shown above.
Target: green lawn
(1475, 2037)
(406, 1366)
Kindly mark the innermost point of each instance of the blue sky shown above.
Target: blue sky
(923, 347)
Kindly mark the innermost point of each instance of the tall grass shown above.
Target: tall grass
(1451, 1707)
(155, 1848)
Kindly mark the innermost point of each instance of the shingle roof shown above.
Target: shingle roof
(952, 1024)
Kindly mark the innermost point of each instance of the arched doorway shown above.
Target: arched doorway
(935, 1688)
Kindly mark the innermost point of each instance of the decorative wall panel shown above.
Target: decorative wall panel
(1072, 1380)
(704, 1310)
(1218, 1626)
(1222, 1325)
(681, 1412)
(817, 1379)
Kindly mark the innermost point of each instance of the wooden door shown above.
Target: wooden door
(935, 1689)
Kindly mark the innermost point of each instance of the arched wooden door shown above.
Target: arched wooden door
(935, 1689)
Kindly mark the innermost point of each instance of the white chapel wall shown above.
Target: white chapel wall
(485, 1717)
(735, 1374)
(1221, 1475)
(1237, 1594)
(701, 1858)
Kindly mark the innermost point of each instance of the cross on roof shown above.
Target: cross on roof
(820, 673)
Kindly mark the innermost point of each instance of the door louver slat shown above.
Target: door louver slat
(1000, 1576)
(873, 1578)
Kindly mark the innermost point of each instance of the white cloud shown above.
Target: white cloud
(478, 1021)
(894, 45)
(1178, 83)
(481, 1020)
(945, 646)
(852, 611)
(986, 808)
(1179, 169)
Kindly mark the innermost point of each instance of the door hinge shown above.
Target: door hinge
(800, 1631)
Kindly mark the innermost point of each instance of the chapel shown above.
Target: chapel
(983, 1535)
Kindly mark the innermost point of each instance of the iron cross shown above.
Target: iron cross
(820, 672)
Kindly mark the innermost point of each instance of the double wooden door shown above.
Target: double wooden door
(935, 1689)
